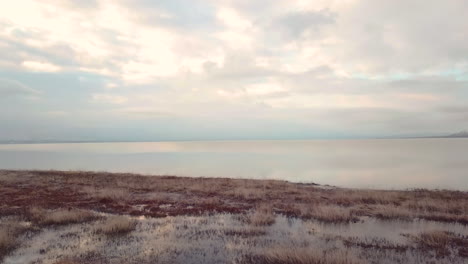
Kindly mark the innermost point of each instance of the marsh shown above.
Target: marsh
(89, 217)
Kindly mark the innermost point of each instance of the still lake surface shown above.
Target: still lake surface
(380, 163)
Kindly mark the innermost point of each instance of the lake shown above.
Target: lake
(379, 163)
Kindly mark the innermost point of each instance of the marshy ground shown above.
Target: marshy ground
(86, 217)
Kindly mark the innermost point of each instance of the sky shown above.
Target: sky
(232, 69)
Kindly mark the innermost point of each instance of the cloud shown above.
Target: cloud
(357, 66)
(15, 88)
(40, 66)
(394, 37)
(109, 99)
(265, 89)
(299, 24)
(83, 4)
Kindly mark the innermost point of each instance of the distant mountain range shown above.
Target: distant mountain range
(460, 134)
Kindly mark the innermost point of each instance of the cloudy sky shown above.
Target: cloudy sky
(232, 69)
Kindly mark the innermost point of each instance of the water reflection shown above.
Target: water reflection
(398, 163)
(208, 239)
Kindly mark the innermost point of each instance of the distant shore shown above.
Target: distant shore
(456, 135)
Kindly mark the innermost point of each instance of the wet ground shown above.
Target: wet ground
(227, 238)
(219, 220)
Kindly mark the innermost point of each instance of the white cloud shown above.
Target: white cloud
(111, 85)
(279, 59)
(109, 99)
(232, 19)
(264, 88)
(40, 66)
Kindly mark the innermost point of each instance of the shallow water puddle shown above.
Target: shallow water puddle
(221, 238)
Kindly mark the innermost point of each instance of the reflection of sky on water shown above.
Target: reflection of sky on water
(189, 239)
(434, 163)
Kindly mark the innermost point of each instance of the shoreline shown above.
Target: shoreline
(19, 142)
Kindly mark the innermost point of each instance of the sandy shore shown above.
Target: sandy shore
(87, 217)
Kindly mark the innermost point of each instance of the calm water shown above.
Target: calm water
(395, 163)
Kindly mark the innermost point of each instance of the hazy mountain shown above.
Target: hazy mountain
(459, 134)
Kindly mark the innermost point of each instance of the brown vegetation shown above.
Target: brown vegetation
(116, 225)
(9, 232)
(245, 231)
(67, 261)
(373, 243)
(302, 256)
(60, 216)
(325, 213)
(442, 242)
(51, 198)
(262, 216)
(159, 196)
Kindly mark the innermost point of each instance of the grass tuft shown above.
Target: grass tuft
(443, 243)
(301, 256)
(326, 213)
(60, 216)
(67, 261)
(116, 225)
(9, 232)
(262, 216)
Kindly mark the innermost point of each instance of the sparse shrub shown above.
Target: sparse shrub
(374, 243)
(60, 216)
(301, 256)
(442, 242)
(67, 261)
(326, 213)
(245, 232)
(9, 231)
(107, 193)
(346, 197)
(7, 241)
(262, 216)
(389, 212)
(434, 239)
(117, 225)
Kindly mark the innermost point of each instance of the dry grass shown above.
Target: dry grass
(251, 200)
(107, 193)
(443, 243)
(433, 239)
(373, 243)
(325, 213)
(245, 232)
(116, 225)
(117, 193)
(246, 193)
(60, 216)
(67, 261)
(262, 216)
(9, 232)
(392, 212)
(7, 241)
(353, 197)
(302, 256)
(389, 212)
